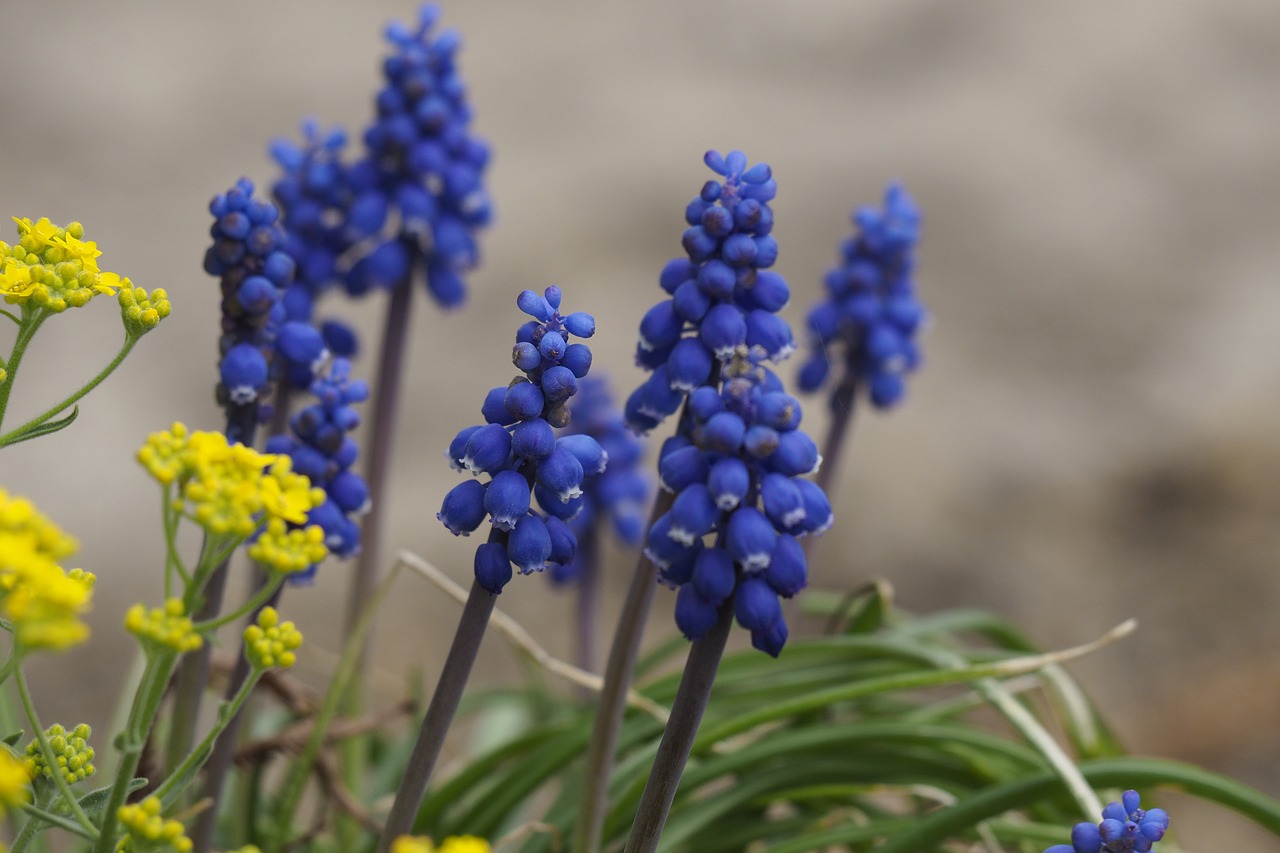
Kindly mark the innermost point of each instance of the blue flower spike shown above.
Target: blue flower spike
(1125, 828)
(871, 318)
(526, 463)
(730, 536)
(319, 443)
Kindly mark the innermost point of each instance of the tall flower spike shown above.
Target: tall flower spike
(314, 196)
(258, 341)
(423, 170)
(871, 317)
(1125, 828)
(322, 449)
(731, 534)
(722, 295)
(518, 450)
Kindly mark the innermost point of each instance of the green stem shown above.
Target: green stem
(172, 560)
(37, 816)
(26, 331)
(274, 582)
(300, 770)
(46, 751)
(133, 740)
(7, 670)
(177, 782)
(16, 434)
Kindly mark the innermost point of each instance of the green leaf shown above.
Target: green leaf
(46, 428)
(12, 740)
(94, 803)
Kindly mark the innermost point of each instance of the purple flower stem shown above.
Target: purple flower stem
(843, 402)
(224, 748)
(385, 406)
(444, 704)
(677, 741)
(587, 611)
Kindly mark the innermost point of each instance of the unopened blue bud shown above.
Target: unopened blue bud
(705, 402)
(693, 514)
(487, 449)
(770, 292)
(750, 538)
(552, 346)
(507, 499)
(580, 324)
(689, 365)
(796, 455)
(524, 400)
(723, 330)
(463, 509)
(675, 273)
(714, 576)
(529, 545)
(257, 294)
(659, 399)
(680, 468)
(559, 383)
(494, 408)
(561, 474)
(755, 604)
(534, 305)
(587, 451)
(350, 492)
(660, 327)
(577, 357)
(728, 482)
(493, 569)
(782, 502)
(533, 439)
(760, 441)
(525, 356)
(771, 640)
(690, 302)
(787, 572)
(243, 371)
(695, 616)
(723, 432)
(564, 544)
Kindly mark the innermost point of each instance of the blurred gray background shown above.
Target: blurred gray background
(1092, 437)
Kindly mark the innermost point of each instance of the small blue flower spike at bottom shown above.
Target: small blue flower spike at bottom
(1125, 828)
(519, 451)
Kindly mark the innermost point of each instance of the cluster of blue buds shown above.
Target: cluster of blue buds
(1125, 828)
(722, 295)
(618, 496)
(314, 196)
(871, 308)
(247, 256)
(518, 449)
(736, 478)
(423, 169)
(321, 448)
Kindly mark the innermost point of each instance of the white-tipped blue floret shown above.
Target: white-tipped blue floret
(693, 514)
(728, 481)
(561, 474)
(463, 508)
(487, 450)
(750, 538)
(529, 544)
(507, 499)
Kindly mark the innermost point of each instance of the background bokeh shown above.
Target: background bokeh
(1093, 435)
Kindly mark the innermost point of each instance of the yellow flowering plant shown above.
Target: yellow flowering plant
(49, 270)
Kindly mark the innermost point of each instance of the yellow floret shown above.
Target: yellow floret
(15, 781)
(52, 268)
(168, 627)
(464, 844)
(145, 829)
(44, 603)
(271, 643)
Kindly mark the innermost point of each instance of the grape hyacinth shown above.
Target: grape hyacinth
(871, 311)
(518, 449)
(322, 449)
(247, 256)
(423, 165)
(722, 294)
(736, 477)
(314, 197)
(618, 497)
(1125, 828)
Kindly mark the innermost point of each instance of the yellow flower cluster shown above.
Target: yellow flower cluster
(14, 781)
(146, 830)
(70, 749)
(228, 489)
(168, 626)
(44, 603)
(143, 312)
(453, 844)
(285, 551)
(53, 267)
(270, 642)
